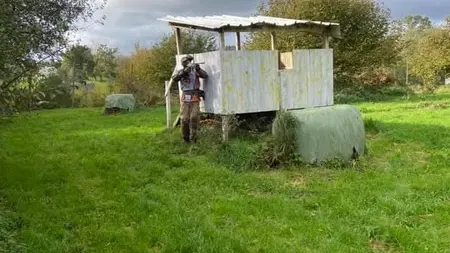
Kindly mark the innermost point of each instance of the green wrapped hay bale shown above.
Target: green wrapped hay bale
(326, 133)
(125, 102)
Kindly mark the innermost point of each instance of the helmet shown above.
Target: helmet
(187, 58)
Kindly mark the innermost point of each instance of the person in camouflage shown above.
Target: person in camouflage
(189, 77)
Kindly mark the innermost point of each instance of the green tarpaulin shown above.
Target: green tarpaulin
(122, 101)
(327, 133)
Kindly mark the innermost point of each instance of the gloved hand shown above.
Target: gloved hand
(187, 69)
(194, 66)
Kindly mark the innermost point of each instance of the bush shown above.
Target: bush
(279, 148)
(363, 94)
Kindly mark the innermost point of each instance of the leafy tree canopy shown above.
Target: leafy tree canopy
(366, 42)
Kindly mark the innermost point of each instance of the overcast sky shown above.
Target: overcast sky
(130, 21)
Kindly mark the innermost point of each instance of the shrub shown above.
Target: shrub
(279, 148)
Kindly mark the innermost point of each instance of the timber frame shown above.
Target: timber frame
(323, 29)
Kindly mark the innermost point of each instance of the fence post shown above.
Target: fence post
(168, 110)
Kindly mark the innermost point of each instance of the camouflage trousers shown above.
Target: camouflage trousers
(190, 119)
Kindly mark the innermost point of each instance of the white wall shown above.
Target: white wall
(250, 81)
(310, 82)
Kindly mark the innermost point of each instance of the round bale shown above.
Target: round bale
(326, 133)
(121, 101)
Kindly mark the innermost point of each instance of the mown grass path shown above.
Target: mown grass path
(77, 181)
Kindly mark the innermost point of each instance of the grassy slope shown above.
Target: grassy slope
(81, 182)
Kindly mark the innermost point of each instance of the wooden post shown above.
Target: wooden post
(179, 51)
(225, 127)
(178, 40)
(225, 118)
(326, 41)
(222, 41)
(168, 110)
(238, 41)
(273, 40)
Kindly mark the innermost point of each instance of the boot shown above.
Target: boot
(185, 131)
(194, 130)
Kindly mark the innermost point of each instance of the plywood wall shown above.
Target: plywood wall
(310, 82)
(251, 81)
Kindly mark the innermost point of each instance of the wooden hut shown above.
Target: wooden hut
(250, 81)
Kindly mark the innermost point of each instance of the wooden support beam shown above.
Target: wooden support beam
(238, 41)
(312, 29)
(225, 118)
(222, 41)
(179, 51)
(326, 41)
(178, 40)
(273, 40)
(225, 127)
(168, 109)
(177, 121)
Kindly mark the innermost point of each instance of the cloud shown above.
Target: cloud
(132, 21)
(436, 9)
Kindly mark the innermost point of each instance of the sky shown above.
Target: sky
(131, 21)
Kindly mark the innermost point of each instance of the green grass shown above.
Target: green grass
(77, 181)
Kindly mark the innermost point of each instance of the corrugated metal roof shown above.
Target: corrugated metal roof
(226, 21)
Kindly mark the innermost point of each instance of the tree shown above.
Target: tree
(145, 72)
(32, 31)
(430, 56)
(408, 31)
(365, 45)
(411, 25)
(78, 63)
(105, 62)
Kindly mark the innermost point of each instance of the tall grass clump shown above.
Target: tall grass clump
(279, 148)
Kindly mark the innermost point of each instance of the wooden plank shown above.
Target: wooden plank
(238, 41)
(222, 41)
(273, 40)
(310, 82)
(250, 80)
(170, 81)
(179, 51)
(168, 109)
(326, 41)
(178, 40)
(177, 121)
(312, 29)
(225, 127)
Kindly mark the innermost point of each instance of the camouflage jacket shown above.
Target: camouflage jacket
(190, 78)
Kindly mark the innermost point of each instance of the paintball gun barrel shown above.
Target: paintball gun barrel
(199, 63)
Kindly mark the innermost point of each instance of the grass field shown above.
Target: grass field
(77, 181)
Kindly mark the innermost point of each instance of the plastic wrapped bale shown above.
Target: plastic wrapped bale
(115, 102)
(327, 133)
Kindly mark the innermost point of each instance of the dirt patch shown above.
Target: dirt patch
(379, 246)
(297, 181)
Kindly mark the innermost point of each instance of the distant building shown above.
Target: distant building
(447, 81)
